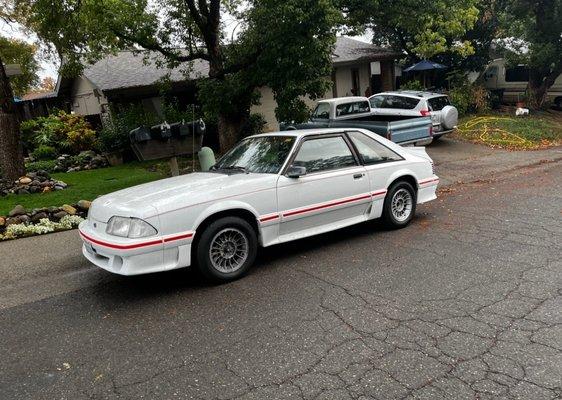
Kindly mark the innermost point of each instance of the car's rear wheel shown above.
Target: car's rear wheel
(226, 249)
(399, 205)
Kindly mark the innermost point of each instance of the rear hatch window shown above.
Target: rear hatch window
(438, 103)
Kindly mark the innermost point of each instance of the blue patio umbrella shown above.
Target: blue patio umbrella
(424, 65)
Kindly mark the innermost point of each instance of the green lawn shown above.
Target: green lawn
(84, 185)
(535, 131)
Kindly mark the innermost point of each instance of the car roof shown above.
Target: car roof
(340, 100)
(413, 93)
(304, 132)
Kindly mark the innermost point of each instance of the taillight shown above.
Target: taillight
(425, 113)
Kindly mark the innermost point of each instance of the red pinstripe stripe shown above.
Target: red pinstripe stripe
(179, 237)
(265, 219)
(136, 245)
(378, 193)
(423, 182)
(120, 246)
(336, 203)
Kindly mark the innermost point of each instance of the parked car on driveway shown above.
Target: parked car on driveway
(409, 103)
(355, 112)
(269, 189)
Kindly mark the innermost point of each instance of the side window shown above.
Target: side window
(324, 154)
(519, 73)
(407, 103)
(377, 101)
(437, 103)
(356, 107)
(322, 111)
(370, 150)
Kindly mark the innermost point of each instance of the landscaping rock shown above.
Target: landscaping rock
(2, 221)
(69, 209)
(17, 210)
(33, 182)
(59, 215)
(13, 220)
(84, 205)
(39, 216)
(46, 189)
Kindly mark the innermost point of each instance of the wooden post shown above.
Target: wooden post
(174, 166)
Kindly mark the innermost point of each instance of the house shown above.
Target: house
(132, 77)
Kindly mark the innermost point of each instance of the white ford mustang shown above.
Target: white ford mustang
(270, 188)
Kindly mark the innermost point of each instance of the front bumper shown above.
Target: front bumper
(125, 256)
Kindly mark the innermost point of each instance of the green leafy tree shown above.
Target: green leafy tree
(285, 45)
(532, 35)
(421, 28)
(15, 51)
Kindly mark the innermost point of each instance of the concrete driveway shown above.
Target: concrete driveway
(465, 303)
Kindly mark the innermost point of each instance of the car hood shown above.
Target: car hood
(165, 195)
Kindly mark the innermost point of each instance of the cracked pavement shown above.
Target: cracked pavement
(465, 303)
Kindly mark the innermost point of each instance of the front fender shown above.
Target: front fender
(225, 206)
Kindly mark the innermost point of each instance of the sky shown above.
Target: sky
(49, 66)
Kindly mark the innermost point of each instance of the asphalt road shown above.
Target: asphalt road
(464, 303)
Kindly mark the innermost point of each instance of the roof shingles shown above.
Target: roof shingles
(129, 69)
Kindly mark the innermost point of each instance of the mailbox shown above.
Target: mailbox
(167, 140)
(140, 134)
(162, 131)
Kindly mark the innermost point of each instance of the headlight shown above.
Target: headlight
(129, 227)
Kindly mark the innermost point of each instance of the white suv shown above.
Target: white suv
(409, 103)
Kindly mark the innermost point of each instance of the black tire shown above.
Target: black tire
(203, 260)
(388, 217)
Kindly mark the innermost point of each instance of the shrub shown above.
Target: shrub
(48, 165)
(65, 132)
(44, 152)
(413, 84)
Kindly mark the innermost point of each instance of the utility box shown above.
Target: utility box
(167, 140)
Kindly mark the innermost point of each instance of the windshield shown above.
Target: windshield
(322, 111)
(262, 154)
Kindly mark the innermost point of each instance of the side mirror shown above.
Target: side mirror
(296, 172)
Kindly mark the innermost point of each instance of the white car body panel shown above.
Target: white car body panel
(281, 208)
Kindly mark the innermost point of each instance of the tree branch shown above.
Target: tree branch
(168, 53)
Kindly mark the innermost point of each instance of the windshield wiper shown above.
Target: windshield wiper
(238, 168)
(234, 168)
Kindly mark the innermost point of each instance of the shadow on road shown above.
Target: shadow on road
(131, 289)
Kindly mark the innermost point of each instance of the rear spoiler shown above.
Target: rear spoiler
(418, 151)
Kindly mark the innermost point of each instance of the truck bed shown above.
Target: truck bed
(401, 130)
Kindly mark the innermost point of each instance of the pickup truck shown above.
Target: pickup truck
(355, 112)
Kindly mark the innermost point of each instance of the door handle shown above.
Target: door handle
(358, 176)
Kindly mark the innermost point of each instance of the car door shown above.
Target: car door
(333, 193)
(380, 163)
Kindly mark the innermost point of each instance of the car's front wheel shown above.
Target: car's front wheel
(399, 205)
(226, 249)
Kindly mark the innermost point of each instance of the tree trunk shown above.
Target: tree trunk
(11, 152)
(539, 83)
(230, 127)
